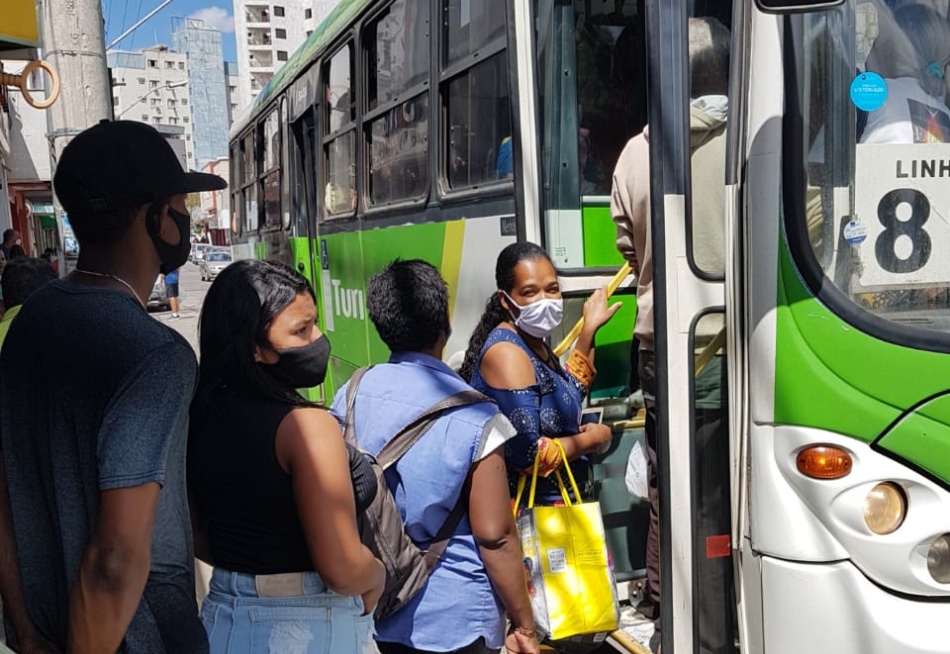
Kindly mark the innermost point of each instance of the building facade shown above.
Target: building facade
(234, 94)
(151, 86)
(267, 32)
(215, 206)
(207, 88)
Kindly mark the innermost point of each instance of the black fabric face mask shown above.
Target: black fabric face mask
(172, 257)
(301, 367)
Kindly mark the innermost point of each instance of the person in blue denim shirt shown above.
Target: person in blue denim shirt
(480, 575)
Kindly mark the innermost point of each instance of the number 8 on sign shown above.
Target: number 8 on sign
(889, 241)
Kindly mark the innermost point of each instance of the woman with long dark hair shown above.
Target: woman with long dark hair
(509, 360)
(269, 476)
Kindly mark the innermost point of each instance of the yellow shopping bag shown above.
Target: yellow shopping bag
(570, 581)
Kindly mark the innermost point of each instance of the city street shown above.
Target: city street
(192, 291)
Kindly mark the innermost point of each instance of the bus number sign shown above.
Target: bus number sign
(902, 199)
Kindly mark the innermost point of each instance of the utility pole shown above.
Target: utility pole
(74, 44)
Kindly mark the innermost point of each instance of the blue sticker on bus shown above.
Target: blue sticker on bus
(855, 232)
(324, 259)
(868, 91)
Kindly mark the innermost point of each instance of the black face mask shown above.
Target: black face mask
(172, 257)
(301, 367)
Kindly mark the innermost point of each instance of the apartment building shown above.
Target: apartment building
(267, 32)
(151, 86)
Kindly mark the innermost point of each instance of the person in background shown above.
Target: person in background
(49, 255)
(509, 360)
(16, 252)
(273, 503)
(912, 54)
(171, 292)
(21, 278)
(480, 575)
(11, 237)
(94, 529)
(708, 52)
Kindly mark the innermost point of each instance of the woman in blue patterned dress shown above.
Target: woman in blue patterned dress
(509, 360)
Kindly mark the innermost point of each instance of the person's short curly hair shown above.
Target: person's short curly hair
(408, 302)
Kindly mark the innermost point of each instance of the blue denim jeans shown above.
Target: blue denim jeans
(238, 621)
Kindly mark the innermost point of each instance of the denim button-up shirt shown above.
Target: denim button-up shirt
(457, 605)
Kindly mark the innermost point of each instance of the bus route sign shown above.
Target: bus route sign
(902, 200)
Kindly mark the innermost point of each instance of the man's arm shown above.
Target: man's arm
(114, 570)
(624, 224)
(147, 413)
(28, 638)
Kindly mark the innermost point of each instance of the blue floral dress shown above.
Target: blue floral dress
(550, 407)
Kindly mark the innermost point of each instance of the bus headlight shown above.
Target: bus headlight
(884, 508)
(938, 559)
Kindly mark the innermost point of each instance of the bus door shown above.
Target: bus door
(690, 106)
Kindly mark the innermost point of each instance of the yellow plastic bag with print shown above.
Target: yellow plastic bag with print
(570, 581)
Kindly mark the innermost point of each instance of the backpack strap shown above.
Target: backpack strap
(349, 425)
(406, 437)
(432, 555)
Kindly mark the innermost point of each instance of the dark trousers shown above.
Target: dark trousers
(647, 373)
(478, 647)
(714, 591)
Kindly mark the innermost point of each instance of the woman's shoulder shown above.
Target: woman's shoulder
(307, 417)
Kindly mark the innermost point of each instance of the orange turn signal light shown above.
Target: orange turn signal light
(824, 462)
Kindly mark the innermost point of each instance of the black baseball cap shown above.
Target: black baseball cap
(122, 164)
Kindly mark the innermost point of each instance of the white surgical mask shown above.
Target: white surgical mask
(539, 318)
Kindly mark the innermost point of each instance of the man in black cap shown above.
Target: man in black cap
(95, 396)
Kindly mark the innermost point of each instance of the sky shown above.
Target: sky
(119, 15)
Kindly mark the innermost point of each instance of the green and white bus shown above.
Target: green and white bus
(445, 129)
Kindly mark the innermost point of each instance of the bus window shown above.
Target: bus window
(340, 196)
(250, 209)
(477, 100)
(248, 168)
(397, 47)
(469, 26)
(592, 99)
(397, 62)
(340, 144)
(284, 164)
(271, 142)
(399, 152)
(340, 106)
(479, 125)
(874, 192)
(270, 180)
(237, 214)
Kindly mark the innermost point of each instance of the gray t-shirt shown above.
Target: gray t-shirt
(94, 396)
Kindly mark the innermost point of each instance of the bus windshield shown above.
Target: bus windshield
(873, 93)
